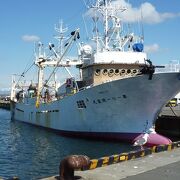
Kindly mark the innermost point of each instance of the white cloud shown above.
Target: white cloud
(149, 13)
(152, 16)
(152, 48)
(30, 38)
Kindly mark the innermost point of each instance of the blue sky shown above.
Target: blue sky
(23, 21)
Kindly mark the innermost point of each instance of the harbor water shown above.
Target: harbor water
(30, 152)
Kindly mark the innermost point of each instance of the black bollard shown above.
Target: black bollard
(71, 163)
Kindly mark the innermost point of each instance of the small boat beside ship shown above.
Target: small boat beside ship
(118, 95)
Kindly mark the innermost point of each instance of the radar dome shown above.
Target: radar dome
(87, 49)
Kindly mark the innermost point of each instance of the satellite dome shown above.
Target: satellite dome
(87, 49)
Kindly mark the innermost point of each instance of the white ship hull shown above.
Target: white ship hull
(120, 110)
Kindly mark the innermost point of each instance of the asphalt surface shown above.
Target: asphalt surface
(168, 172)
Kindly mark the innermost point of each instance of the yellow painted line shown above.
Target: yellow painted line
(142, 154)
(133, 157)
(154, 149)
(123, 157)
(116, 158)
(169, 147)
(93, 163)
(105, 161)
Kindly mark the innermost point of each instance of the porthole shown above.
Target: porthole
(116, 71)
(123, 71)
(134, 71)
(128, 71)
(105, 71)
(111, 72)
(97, 72)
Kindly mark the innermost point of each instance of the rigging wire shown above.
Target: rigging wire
(34, 78)
(23, 75)
(28, 68)
(30, 60)
(25, 71)
(85, 28)
(85, 3)
(73, 17)
(61, 57)
(170, 105)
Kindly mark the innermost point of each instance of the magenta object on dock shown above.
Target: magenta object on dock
(157, 139)
(154, 139)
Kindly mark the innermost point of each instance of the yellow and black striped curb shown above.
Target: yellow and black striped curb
(168, 147)
(108, 160)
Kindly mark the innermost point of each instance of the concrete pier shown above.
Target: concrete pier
(144, 167)
(162, 165)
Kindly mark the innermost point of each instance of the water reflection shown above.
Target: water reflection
(30, 152)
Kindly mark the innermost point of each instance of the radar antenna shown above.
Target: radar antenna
(60, 36)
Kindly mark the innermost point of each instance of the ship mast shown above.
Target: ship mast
(106, 24)
(39, 62)
(55, 61)
(111, 25)
(60, 36)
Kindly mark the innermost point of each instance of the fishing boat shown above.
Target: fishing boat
(118, 95)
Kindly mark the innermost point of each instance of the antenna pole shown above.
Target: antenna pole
(142, 27)
(106, 25)
(60, 36)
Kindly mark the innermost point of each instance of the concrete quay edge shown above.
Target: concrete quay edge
(157, 156)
